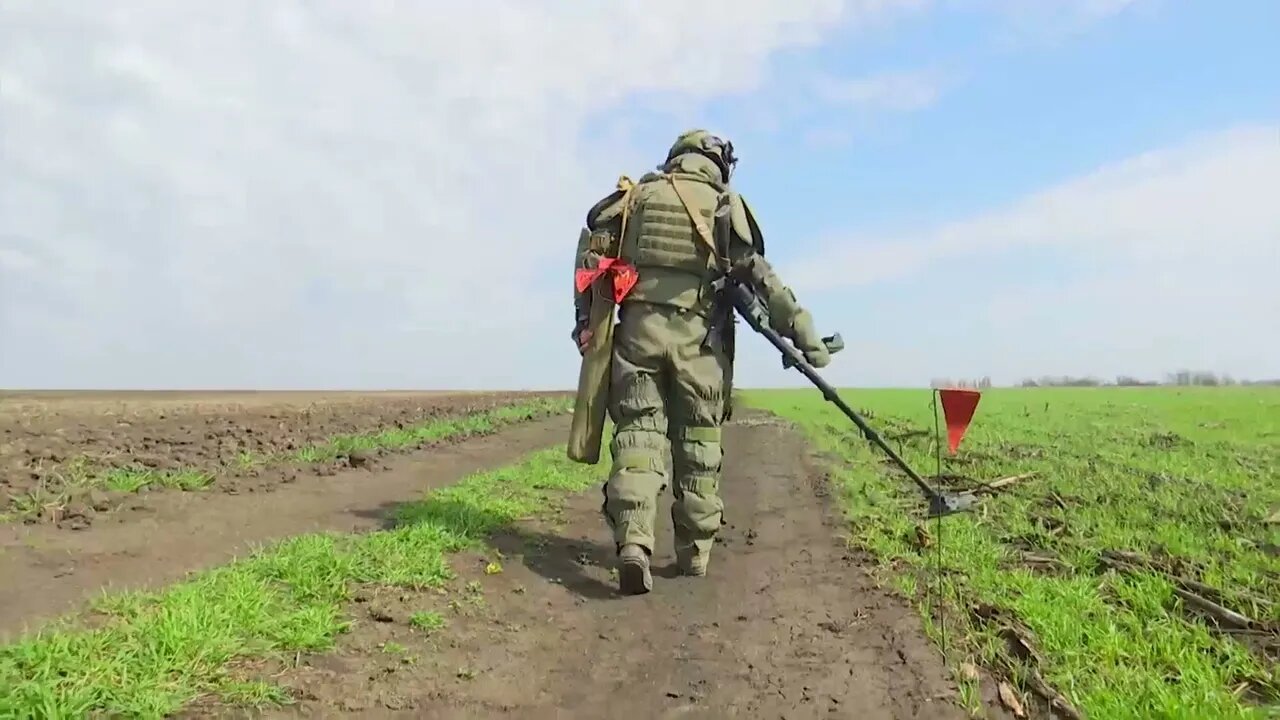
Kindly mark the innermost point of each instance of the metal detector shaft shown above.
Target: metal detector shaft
(748, 305)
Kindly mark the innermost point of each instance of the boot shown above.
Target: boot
(691, 562)
(633, 570)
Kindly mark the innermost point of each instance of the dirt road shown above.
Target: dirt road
(786, 625)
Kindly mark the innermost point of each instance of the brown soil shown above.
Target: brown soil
(45, 435)
(787, 624)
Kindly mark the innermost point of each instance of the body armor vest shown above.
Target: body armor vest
(675, 265)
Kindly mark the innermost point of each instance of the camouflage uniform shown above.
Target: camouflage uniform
(670, 391)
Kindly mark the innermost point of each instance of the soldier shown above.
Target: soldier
(672, 348)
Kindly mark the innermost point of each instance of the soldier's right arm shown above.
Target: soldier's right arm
(581, 300)
(786, 316)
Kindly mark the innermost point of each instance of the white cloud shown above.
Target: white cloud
(252, 193)
(1210, 198)
(1165, 260)
(899, 91)
(1048, 19)
(1084, 9)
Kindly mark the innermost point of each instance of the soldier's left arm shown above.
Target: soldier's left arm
(787, 317)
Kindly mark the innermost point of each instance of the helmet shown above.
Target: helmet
(705, 143)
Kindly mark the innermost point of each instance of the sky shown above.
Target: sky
(326, 194)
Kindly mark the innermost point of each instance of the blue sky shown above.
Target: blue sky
(1014, 110)
(240, 195)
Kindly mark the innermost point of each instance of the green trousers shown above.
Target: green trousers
(667, 395)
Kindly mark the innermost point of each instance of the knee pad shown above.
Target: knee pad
(699, 502)
(698, 450)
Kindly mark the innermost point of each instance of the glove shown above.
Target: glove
(806, 340)
(581, 337)
(819, 358)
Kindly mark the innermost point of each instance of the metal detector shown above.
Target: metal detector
(748, 305)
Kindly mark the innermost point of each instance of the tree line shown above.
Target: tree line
(1181, 378)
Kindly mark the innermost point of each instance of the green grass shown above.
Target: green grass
(149, 654)
(427, 621)
(134, 480)
(80, 475)
(77, 481)
(1180, 479)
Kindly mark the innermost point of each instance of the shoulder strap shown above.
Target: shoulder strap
(703, 231)
(628, 189)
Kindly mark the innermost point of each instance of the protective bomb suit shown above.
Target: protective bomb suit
(670, 380)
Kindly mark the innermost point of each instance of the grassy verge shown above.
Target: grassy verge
(148, 654)
(81, 483)
(1086, 575)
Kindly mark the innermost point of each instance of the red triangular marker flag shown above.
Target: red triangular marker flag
(957, 408)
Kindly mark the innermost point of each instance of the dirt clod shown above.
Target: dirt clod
(1009, 697)
(360, 459)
